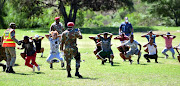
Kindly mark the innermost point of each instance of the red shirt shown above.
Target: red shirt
(122, 40)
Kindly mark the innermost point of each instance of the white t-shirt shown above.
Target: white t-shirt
(151, 49)
(54, 45)
(132, 45)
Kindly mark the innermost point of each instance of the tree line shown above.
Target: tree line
(36, 13)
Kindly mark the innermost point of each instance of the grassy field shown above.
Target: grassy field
(165, 73)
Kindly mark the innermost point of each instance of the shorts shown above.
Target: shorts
(104, 54)
(121, 49)
(132, 52)
(98, 49)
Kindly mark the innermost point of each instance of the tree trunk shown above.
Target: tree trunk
(72, 13)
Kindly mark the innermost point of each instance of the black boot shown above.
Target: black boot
(4, 67)
(77, 73)
(11, 70)
(69, 74)
(7, 70)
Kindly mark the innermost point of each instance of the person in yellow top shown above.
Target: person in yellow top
(9, 43)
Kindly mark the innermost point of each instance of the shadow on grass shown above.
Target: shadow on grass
(95, 30)
(88, 78)
(143, 64)
(39, 72)
(23, 74)
(16, 65)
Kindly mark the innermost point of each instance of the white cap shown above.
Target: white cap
(36, 36)
(168, 33)
(126, 19)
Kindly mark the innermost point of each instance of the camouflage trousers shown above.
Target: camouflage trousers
(70, 53)
(11, 55)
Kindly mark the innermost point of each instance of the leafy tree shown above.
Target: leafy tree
(2, 13)
(32, 7)
(166, 9)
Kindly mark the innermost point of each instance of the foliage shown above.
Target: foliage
(166, 9)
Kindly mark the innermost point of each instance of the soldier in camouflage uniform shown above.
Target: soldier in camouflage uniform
(69, 38)
(2, 55)
(57, 26)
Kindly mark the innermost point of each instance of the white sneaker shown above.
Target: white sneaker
(38, 68)
(33, 68)
(166, 56)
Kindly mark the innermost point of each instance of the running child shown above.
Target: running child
(30, 53)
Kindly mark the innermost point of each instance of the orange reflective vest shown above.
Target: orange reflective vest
(7, 41)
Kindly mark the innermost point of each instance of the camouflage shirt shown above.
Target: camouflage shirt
(57, 27)
(69, 38)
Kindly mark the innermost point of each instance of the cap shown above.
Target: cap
(12, 24)
(126, 19)
(26, 37)
(56, 18)
(36, 36)
(70, 24)
(168, 33)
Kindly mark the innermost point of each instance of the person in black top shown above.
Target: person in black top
(37, 42)
(30, 53)
(96, 40)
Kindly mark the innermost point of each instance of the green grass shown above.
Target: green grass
(166, 72)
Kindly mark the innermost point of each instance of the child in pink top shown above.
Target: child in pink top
(168, 44)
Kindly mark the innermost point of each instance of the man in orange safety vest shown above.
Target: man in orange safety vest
(9, 43)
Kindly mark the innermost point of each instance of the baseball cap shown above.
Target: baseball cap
(12, 24)
(36, 36)
(168, 33)
(26, 37)
(126, 19)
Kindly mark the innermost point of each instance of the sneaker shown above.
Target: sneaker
(130, 61)
(174, 57)
(69, 76)
(166, 56)
(148, 61)
(62, 64)
(156, 62)
(7, 70)
(11, 70)
(137, 62)
(112, 63)
(102, 63)
(77, 74)
(124, 60)
(38, 68)
(33, 68)
(41, 55)
(4, 67)
(51, 65)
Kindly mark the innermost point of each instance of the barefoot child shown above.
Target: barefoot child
(54, 46)
(30, 53)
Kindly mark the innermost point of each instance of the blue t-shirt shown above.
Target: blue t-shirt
(148, 36)
(126, 27)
